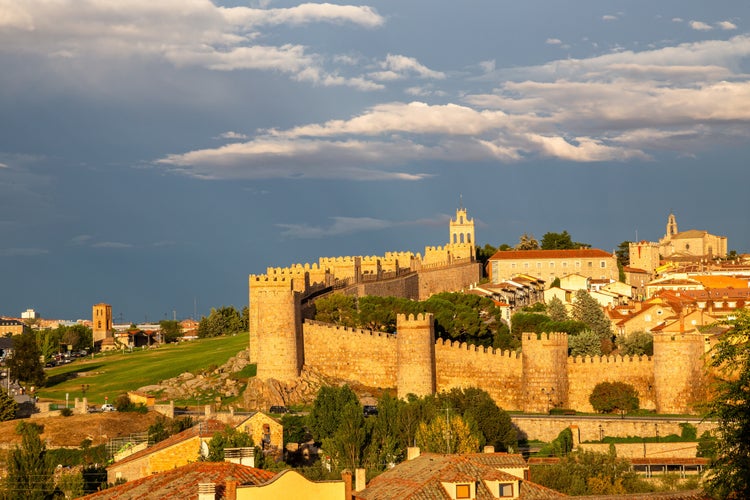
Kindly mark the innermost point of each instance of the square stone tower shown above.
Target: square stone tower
(102, 321)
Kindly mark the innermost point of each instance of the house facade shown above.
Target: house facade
(550, 264)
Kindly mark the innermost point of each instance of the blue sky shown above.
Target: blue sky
(153, 154)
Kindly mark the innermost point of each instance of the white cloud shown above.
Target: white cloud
(726, 25)
(3, 165)
(678, 20)
(487, 66)
(232, 135)
(609, 17)
(81, 239)
(397, 67)
(202, 35)
(700, 26)
(619, 106)
(340, 226)
(553, 41)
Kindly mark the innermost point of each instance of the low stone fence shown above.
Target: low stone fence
(646, 450)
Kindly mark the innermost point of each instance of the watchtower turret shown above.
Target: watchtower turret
(416, 354)
(545, 372)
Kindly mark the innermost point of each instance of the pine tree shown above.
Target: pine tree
(556, 310)
(8, 406)
(25, 364)
(30, 473)
(587, 310)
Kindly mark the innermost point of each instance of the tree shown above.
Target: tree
(326, 414)
(29, 471)
(171, 330)
(384, 448)
(608, 397)
(484, 253)
(556, 310)
(25, 364)
(223, 321)
(527, 242)
(586, 343)
(348, 441)
(447, 434)
(8, 406)
(338, 309)
(728, 474)
(636, 344)
(588, 310)
(228, 438)
(477, 407)
(590, 473)
(623, 253)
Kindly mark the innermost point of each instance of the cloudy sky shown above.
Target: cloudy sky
(155, 153)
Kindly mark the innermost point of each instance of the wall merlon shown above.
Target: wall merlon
(346, 329)
(608, 359)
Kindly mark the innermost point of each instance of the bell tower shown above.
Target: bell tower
(461, 239)
(671, 226)
(102, 321)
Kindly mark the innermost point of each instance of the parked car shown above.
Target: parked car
(278, 409)
(108, 407)
(369, 410)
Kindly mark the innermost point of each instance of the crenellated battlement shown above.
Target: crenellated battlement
(414, 319)
(687, 337)
(463, 346)
(354, 331)
(268, 281)
(608, 359)
(552, 338)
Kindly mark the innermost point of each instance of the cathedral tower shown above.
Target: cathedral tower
(461, 239)
(671, 226)
(102, 321)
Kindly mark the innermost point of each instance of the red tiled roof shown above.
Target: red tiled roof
(582, 253)
(182, 482)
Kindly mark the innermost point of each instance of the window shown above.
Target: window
(578, 263)
(463, 491)
(603, 264)
(539, 265)
(591, 264)
(551, 265)
(525, 265)
(565, 264)
(506, 490)
(513, 265)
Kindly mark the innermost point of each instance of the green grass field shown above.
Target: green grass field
(112, 374)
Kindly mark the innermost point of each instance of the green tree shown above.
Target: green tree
(484, 253)
(527, 242)
(561, 446)
(223, 321)
(29, 471)
(338, 309)
(590, 473)
(228, 438)
(8, 406)
(348, 441)
(608, 397)
(476, 406)
(636, 344)
(728, 475)
(556, 310)
(587, 310)
(623, 253)
(384, 448)
(586, 343)
(447, 434)
(25, 364)
(326, 414)
(560, 241)
(171, 330)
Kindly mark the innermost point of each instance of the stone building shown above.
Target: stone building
(691, 243)
(551, 264)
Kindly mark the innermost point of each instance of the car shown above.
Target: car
(370, 410)
(278, 409)
(108, 407)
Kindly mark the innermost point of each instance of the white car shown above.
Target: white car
(108, 407)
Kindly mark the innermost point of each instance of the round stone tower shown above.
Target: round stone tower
(276, 338)
(415, 339)
(679, 381)
(545, 371)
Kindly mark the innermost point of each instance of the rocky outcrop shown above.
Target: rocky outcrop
(218, 381)
(262, 394)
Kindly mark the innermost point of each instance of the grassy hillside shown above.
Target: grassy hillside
(112, 374)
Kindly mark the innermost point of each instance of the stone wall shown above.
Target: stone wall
(646, 450)
(448, 278)
(497, 372)
(351, 354)
(585, 372)
(546, 428)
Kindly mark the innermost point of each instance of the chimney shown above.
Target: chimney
(360, 479)
(206, 491)
(412, 452)
(346, 476)
(230, 489)
(488, 449)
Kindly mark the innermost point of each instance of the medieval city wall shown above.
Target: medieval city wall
(448, 278)
(351, 354)
(406, 286)
(584, 372)
(463, 365)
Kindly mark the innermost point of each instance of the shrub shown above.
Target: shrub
(608, 397)
(66, 412)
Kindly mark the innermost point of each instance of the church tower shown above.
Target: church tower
(102, 321)
(671, 226)
(462, 240)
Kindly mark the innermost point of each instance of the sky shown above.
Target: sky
(154, 154)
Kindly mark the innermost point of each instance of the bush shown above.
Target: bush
(608, 397)
(66, 412)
